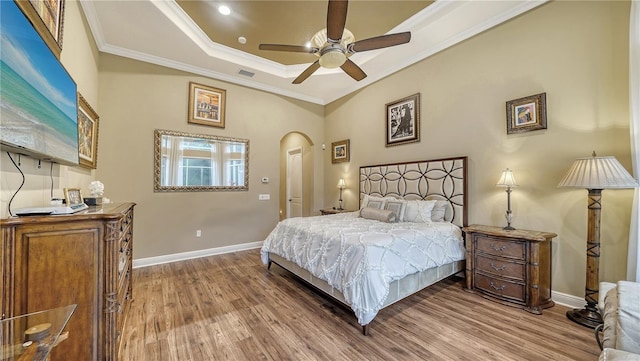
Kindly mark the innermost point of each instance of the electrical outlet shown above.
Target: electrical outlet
(264, 197)
(198, 233)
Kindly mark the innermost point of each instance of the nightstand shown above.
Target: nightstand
(324, 212)
(512, 267)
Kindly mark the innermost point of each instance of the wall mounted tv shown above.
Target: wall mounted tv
(38, 97)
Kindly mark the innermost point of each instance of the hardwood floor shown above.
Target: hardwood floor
(230, 307)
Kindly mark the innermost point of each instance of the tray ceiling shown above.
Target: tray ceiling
(193, 36)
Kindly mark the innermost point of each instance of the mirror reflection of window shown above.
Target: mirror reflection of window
(200, 162)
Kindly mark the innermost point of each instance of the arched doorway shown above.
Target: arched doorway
(296, 175)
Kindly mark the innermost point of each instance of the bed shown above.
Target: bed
(368, 264)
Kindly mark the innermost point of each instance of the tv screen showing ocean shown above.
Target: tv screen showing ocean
(38, 98)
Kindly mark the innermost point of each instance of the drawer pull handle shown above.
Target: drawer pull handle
(501, 268)
(496, 248)
(496, 288)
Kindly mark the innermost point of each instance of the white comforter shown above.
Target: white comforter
(361, 257)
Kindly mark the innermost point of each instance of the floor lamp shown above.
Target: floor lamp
(595, 174)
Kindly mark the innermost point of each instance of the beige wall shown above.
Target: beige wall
(79, 56)
(576, 52)
(137, 98)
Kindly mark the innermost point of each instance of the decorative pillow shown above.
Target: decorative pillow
(418, 211)
(397, 206)
(381, 215)
(439, 211)
(372, 202)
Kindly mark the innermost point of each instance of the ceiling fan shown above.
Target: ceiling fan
(335, 44)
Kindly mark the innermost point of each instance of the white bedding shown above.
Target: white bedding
(361, 257)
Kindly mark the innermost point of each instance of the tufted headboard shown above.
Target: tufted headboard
(438, 179)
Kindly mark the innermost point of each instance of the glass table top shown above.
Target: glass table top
(31, 337)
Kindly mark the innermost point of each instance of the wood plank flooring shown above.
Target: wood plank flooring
(230, 307)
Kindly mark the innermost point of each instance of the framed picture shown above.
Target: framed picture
(47, 18)
(206, 105)
(403, 121)
(73, 196)
(340, 151)
(526, 114)
(87, 134)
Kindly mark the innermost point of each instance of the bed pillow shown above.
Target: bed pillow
(397, 206)
(382, 215)
(419, 211)
(373, 202)
(439, 211)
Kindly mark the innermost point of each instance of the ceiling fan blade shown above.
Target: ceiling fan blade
(293, 48)
(379, 42)
(307, 72)
(336, 19)
(353, 70)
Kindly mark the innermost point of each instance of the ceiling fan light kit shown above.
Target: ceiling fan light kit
(332, 56)
(335, 43)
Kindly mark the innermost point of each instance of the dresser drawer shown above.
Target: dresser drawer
(506, 290)
(500, 247)
(501, 267)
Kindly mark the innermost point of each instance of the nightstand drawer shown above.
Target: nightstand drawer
(500, 267)
(500, 247)
(500, 288)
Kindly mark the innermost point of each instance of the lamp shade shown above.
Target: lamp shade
(598, 173)
(341, 184)
(507, 179)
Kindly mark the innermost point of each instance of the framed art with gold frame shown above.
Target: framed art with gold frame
(47, 17)
(73, 196)
(206, 105)
(87, 134)
(340, 151)
(527, 114)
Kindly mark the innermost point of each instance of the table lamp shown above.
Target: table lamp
(507, 180)
(595, 174)
(342, 186)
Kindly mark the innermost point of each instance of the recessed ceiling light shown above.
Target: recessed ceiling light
(224, 10)
(242, 40)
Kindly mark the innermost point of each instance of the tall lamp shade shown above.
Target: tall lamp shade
(595, 174)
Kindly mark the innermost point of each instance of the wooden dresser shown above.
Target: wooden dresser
(83, 259)
(512, 267)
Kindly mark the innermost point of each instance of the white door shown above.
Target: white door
(294, 182)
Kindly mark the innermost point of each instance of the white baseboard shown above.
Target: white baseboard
(568, 300)
(150, 261)
(559, 298)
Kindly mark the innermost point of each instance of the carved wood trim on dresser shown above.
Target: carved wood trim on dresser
(512, 267)
(83, 258)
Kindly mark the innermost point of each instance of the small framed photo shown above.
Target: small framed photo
(87, 134)
(73, 196)
(403, 121)
(340, 151)
(206, 105)
(47, 17)
(527, 114)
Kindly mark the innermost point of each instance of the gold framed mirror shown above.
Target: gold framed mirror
(187, 162)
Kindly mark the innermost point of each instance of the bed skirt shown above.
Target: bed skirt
(398, 289)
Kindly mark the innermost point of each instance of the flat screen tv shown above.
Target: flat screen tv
(38, 97)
